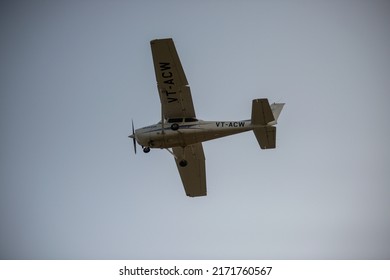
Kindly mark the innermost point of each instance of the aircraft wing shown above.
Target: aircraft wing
(193, 175)
(175, 94)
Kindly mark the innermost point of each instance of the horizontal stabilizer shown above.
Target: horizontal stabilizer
(266, 136)
(261, 112)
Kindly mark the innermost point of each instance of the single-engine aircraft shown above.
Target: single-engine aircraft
(182, 134)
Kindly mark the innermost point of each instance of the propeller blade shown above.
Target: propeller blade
(133, 136)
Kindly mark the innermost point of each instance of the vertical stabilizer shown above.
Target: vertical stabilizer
(276, 109)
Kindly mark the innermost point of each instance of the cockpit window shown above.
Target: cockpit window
(179, 120)
(175, 120)
(190, 120)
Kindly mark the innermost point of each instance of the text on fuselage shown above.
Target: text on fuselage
(230, 124)
(168, 79)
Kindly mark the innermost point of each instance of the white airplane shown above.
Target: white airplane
(182, 134)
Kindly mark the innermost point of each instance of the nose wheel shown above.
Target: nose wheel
(146, 150)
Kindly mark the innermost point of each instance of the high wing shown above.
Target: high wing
(176, 100)
(193, 175)
(175, 94)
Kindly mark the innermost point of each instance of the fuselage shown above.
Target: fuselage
(187, 133)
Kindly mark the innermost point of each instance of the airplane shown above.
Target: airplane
(182, 134)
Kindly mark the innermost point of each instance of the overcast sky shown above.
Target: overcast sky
(74, 73)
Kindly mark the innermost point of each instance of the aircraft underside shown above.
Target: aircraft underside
(186, 135)
(182, 134)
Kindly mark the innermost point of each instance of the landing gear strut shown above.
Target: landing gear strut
(182, 161)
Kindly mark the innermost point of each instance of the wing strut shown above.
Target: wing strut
(162, 113)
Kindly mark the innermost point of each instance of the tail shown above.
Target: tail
(276, 110)
(265, 116)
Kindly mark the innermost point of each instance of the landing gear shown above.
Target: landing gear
(181, 159)
(146, 150)
(174, 126)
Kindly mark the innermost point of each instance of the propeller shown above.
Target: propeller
(133, 136)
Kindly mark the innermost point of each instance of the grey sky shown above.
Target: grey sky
(74, 73)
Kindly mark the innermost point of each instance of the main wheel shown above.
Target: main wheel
(174, 126)
(183, 163)
(146, 149)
